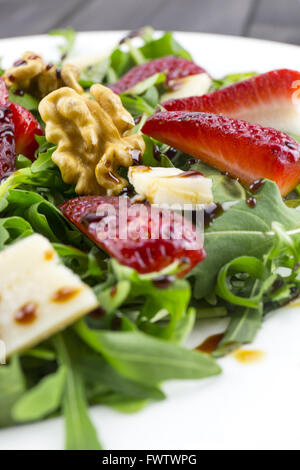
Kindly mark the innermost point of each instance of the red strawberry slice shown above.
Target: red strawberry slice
(142, 237)
(247, 151)
(3, 93)
(26, 128)
(25, 124)
(7, 143)
(271, 100)
(174, 67)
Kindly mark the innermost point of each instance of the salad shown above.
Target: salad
(138, 195)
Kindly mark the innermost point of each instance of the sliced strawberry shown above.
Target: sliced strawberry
(173, 237)
(247, 151)
(3, 93)
(271, 100)
(7, 143)
(25, 125)
(26, 128)
(174, 67)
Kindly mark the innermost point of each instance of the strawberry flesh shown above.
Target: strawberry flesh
(174, 67)
(7, 143)
(270, 99)
(26, 128)
(247, 151)
(136, 248)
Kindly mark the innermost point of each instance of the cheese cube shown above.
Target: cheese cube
(170, 186)
(38, 295)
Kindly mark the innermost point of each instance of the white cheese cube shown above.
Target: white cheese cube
(171, 186)
(38, 295)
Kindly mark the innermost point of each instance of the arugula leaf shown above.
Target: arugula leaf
(121, 61)
(136, 105)
(242, 231)
(164, 46)
(146, 84)
(26, 100)
(12, 386)
(80, 432)
(231, 79)
(170, 303)
(41, 400)
(225, 189)
(13, 229)
(146, 359)
(96, 370)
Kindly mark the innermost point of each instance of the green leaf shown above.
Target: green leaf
(13, 229)
(242, 231)
(224, 188)
(96, 370)
(12, 387)
(231, 79)
(170, 303)
(142, 87)
(242, 329)
(80, 432)
(112, 298)
(164, 46)
(41, 400)
(246, 264)
(26, 100)
(136, 105)
(146, 359)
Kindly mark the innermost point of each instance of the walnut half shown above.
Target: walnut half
(30, 73)
(93, 138)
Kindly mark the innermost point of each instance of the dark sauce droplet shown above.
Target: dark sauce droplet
(116, 323)
(113, 291)
(18, 92)
(27, 314)
(256, 185)
(65, 294)
(163, 282)
(91, 218)
(156, 153)
(211, 213)
(170, 153)
(251, 202)
(210, 344)
(190, 174)
(98, 313)
(136, 156)
(19, 63)
(137, 119)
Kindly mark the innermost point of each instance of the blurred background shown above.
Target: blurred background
(269, 19)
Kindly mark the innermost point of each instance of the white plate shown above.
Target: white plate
(248, 406)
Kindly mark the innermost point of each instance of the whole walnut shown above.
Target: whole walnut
(93, 138)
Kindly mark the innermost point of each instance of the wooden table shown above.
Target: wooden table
(270, 19)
